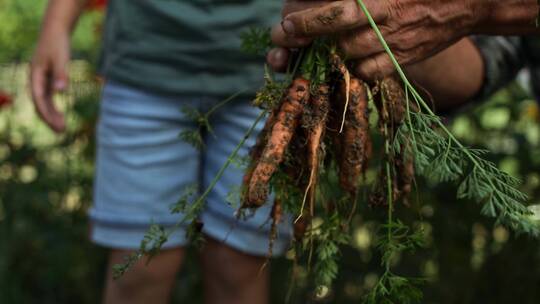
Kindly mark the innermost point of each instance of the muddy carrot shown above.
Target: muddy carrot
(276, 216)
(392, 106)
(299, 228)
(256, 151)
(278, 140)
(344, 76)
(356, 142)
(405, 177)
(320, 105)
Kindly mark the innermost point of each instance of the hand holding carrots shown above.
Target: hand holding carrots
(414, 30)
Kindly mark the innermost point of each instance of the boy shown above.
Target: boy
(160, 56)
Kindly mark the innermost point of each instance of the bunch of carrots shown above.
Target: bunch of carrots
(322, 118)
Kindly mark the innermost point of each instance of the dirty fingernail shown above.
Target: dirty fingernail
(279, 55)
(288, 27)
(277, 58)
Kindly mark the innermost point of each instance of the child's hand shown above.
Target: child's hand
(48, 75)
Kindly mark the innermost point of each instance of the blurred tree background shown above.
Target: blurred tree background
(46, 188)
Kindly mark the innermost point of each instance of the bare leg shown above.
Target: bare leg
(233, 277)
(143, 283)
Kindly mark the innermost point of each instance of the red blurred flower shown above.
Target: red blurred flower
(5, 99)
(96, 4)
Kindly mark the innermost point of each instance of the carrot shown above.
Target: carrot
(256, 151)
(299, 228)
(338, 66)
(320, 105)
(404, 167)
(276, 214)
(392, 107)
(356, 142)
(279, 138)
(392, 94)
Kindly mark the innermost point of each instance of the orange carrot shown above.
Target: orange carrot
(320, 105)
(279, 138)
(256, 151)
(395, 107)
(338, 66)
(356, 142)
(391, 104)
(405, 177)
(299, 228)
(276, 215)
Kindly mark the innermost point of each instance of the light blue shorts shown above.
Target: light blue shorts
(142, 167)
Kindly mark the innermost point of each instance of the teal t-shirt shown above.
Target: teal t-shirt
(184, 47)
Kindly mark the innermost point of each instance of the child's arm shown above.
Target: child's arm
(48, 72)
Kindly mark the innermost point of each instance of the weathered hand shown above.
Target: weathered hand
(277, 58)
(414, 29)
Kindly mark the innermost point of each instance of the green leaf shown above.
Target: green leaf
(256, 41)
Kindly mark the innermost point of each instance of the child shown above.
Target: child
(160, 56)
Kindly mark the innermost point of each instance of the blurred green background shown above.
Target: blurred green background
(46, 183)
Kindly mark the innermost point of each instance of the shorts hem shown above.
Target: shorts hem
(250, 241)
(130, 237)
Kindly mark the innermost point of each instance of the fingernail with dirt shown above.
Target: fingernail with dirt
(277, 58)
(279, 55)
(288, 27)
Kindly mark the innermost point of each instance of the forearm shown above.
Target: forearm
(61, 15)
(507, 17)
(452, 77)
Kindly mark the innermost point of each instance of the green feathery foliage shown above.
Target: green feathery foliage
(328, 238)
(483, 181)
(194, 136)
(256, 41)
(150, 246)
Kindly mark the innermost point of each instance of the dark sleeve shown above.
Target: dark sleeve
(503, 58)
(532, 50)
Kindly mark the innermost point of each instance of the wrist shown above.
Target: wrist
(55, 30)
(485, 12)
(61, 16)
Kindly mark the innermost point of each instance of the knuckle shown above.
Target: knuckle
(386, 68)
(402, 56)
(370, 38)
(405, 40)
(349, 14)
(345, 44)
(366, 68)
(399, 44)
(396, 10)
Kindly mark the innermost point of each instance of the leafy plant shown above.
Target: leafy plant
(422, 137)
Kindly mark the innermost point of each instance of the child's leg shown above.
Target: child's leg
(143, 283)
(237, 249)
(141, 169)
(232, 276)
